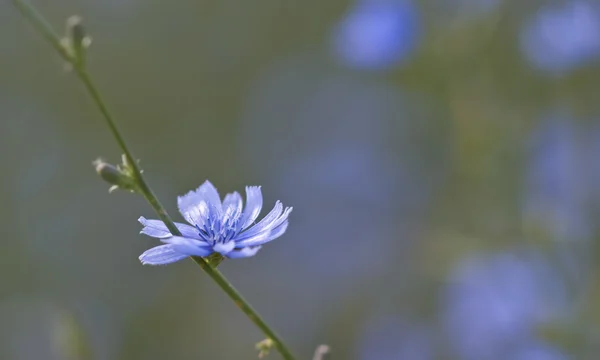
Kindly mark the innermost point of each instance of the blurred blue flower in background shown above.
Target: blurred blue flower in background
(559, 38)
(493, 304)
(594, 165)
(556, 192)
(539, 352)
(218, 227)
(377, 34)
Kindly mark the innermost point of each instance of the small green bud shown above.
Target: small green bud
(76, 41)
(107, 172)
(119, 176)
(264, 347)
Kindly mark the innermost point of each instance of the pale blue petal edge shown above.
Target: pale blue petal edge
(188, 246)
(243, 253)
(161, 255)
(265, 236)
(232, 206)
(158, 229)
(275, 218)
(254, 203)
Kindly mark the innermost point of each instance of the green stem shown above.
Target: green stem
(46, 30)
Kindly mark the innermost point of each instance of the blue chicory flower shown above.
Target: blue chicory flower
(216, 227)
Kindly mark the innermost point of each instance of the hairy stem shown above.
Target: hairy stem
(45, 29)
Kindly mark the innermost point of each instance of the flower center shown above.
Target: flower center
(218, 230)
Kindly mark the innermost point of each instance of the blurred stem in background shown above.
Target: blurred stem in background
(72, 50)
(71, 338)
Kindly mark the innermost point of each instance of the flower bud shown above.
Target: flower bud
(264, 347)
(119, 177)
(76, 40)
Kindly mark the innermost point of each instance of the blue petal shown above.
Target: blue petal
(197, 205)
(192, 209)
(232, 206)
(243, 253)
(158, 229)
(161, 255)
(254, 202)
(268, 219)
(188, 246)
(283, 218)
(208, 193)
(265, 236)
(273, 219)
(224, 249)
(260, 238)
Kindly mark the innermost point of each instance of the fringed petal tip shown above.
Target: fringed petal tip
(254, 189)
(154, 228)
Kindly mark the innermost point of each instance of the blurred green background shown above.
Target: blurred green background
(442, 158)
